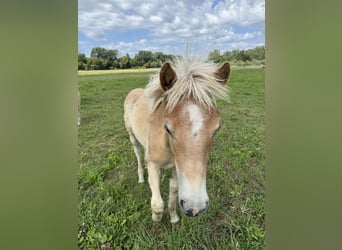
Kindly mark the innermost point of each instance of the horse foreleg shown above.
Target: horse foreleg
(173, 197)
(157, 203)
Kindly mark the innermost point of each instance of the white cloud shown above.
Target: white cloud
(224, 23)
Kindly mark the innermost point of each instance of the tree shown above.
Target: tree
(158, 56)
(258, 53)
(243, 56)
(215, 56)
(143, 57)
(112, 55)
(82, 61)
(134, 63)
(108, 56)
(154, 64)
(227, 56)
(98, 53)
(95, 64)
(125, 62)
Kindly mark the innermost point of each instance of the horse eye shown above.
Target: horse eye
(167, 130)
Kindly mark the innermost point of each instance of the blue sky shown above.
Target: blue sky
(168, 25)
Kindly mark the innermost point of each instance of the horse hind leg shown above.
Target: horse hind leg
(137, 150)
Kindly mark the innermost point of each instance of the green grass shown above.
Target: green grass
(115, 209)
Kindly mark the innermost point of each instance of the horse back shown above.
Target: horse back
(136, 114)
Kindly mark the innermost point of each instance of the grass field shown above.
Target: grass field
(114, 209)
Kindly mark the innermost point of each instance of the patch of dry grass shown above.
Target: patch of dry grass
(113, 71)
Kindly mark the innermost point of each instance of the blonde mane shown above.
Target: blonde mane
(195, 79)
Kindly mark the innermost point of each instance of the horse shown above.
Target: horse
(174, 119)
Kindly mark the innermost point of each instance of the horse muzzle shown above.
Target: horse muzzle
(192, 210)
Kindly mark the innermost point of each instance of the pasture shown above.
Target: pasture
(114, 209)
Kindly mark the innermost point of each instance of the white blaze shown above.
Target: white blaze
(196, 118)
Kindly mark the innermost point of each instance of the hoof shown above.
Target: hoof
(174, 219)
(157, 217)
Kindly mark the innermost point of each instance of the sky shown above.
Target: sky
(169, 25)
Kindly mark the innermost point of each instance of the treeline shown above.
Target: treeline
(101, 58)
(254, 56)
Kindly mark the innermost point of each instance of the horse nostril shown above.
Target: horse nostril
(193, 212)
(182, 203)
(189, 213)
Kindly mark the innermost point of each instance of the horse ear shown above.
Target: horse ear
(223, 72)
(167, 76)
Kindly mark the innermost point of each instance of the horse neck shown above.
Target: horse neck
(158, 141)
